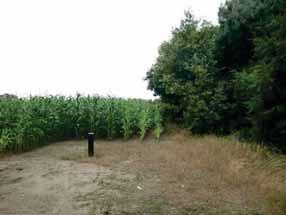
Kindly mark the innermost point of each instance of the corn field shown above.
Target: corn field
(29, 122)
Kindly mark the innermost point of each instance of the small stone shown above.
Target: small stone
(19, 168)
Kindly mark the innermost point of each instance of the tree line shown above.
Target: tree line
(229, 77)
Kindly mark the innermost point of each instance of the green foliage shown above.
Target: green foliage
(158, 122)
(27, 123)
(7, 141)
(130, 118)
(228, 77)
(206, 109)
(254, 31)
(185, 77)
(144, 122)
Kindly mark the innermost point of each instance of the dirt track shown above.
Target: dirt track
(127, 178)
(40, 182)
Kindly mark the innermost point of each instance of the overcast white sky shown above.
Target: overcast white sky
(87, 46)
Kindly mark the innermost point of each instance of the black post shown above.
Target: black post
(90, 144)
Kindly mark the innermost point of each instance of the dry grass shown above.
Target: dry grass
(192, 175)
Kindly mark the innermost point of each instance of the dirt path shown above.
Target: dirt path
(40, 182)
(172, 177)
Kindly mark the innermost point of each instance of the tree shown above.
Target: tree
(251, 56)
(184, 76)
(228, 77)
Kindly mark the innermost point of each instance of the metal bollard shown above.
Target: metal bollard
(90, 144)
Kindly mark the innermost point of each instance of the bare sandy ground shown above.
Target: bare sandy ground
(127, 178)
(40, 182)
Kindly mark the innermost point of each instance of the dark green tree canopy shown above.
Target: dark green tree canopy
(254, 32)
(228, 77)
(185, 75)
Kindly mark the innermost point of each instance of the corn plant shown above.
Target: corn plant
(28, 122)
(144, 122)
(158, 122)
